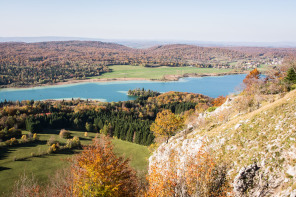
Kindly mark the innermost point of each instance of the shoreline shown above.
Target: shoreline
(166, 78)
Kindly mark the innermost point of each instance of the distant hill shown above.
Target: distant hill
(106, 53)
(140, 44)
(43, 39)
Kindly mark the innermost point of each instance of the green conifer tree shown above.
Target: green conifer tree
(291, 75)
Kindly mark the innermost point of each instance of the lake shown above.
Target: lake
(117, 91)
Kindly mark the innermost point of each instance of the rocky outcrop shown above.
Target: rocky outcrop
(245, 179)
(248, 182)
(260, 147)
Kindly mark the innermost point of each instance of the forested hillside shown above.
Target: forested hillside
(51, 62)
(127, 120)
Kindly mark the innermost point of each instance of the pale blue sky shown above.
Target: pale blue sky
(199, 20)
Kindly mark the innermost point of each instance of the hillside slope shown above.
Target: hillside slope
(259, 147)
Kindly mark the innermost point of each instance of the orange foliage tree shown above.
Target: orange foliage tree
(204, 177)
(199, 176)
(251, 78)
(166, 124)
(97, 171)
(162, 181)
(219, 101)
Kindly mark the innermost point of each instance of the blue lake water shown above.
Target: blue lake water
(117, 91)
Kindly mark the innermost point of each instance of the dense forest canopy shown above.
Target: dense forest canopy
(127, 120)
(51, 62)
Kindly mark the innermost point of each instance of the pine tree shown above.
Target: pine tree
(129, 135)
(117, 131)
(291, 75)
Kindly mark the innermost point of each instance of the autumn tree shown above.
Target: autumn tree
(166, 124)
(201, 107)
(251, 77)
(204, 176)
(26, 186)
(163, 181)
(273, 82)
(253, 87)
(219, 101)
(97, 171)
(89, 127)
(107, 130)
(200, 174)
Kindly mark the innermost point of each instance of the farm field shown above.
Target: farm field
(44, 166)
(264, 67)
(129, 71)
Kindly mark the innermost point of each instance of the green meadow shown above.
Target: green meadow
(42, 167)
(129, 71)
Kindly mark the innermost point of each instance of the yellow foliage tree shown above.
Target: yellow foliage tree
(166, 124)
(97, 171)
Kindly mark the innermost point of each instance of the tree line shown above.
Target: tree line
(127, 120)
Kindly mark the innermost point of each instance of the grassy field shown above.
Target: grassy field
(128, 71)
(43, 166)
(137, 153)
(264, 67)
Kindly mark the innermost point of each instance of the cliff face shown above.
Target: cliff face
(259, 147)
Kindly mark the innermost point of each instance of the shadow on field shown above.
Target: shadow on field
(67, 151)
(57, 131)
(50, 131)
(3, 168)
(73, 133)
(86, 139)
(5, 151)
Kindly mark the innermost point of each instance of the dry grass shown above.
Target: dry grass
(267, 134)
